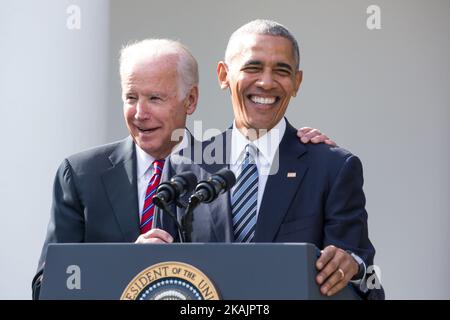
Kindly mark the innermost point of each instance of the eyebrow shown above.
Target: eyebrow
(285, 65)
(253, 63)
(259, 63)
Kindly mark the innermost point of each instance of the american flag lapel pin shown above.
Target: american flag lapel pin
(291, 174)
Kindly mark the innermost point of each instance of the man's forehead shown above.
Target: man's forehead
(256, 47)
(150, 63)
(151, 79)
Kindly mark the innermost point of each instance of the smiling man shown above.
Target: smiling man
(261, 86)
(315, 193)
(156, 99)
(105, 194)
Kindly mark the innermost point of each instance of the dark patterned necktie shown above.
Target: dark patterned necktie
(245, 197)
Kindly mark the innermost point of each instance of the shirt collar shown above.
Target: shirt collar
(144, 160)
(267, 144)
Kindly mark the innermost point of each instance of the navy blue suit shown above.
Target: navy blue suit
(320, 202)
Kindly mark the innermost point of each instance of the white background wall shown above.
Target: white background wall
(53, 99)
(382, 94)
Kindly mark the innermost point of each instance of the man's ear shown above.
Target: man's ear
(222, 75)
(191, 100)
(298, 81)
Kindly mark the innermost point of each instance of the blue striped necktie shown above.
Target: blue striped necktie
(245, 197)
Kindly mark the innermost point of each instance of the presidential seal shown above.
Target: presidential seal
(170, 281)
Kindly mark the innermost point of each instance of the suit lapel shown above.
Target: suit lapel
(121, 188)
(222, 212)
(281, 187)
(218, 158)
(185, 160)
(162, 220)
(204, 159)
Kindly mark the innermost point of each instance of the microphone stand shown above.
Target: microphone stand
(188, 218)
(164, 206)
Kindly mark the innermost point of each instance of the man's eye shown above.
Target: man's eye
(283, 72)
(131, 98)
(155, 98)
(251, 69)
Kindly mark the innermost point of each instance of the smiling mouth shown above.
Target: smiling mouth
(146, 130)
(263, 100)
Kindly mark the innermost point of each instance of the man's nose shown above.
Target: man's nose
(142, 110)
(266, 80)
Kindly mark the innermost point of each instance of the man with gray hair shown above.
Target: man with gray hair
(105, 194)
(315, 193)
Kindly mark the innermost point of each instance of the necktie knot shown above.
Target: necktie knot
(158, 166)
(250, 154)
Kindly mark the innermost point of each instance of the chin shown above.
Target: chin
(261, 125)
(148, 150)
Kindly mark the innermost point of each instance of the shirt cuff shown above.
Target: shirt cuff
(360, 282)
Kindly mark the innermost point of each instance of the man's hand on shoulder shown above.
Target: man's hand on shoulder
(307, 134)
(336, 268)
(155, 236)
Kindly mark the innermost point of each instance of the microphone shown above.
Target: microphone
(169, 191)
(208, 190)
(205, 191)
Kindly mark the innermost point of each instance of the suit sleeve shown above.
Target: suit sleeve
(346, 216)
(66, 217)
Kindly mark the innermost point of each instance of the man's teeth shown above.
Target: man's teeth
(262, 100)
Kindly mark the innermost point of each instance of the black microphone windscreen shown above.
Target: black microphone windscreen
(228, 176)
(190, 180)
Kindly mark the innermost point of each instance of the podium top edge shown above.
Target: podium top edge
(218, 244)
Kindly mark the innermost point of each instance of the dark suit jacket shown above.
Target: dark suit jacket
(323, 204)
(95, 199)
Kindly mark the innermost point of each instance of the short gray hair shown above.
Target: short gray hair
(262, 27)
(187, 67)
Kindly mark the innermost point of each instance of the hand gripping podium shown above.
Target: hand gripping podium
(200, 271)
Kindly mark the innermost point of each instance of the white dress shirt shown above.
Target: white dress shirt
(145, 168)
(267, 146)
